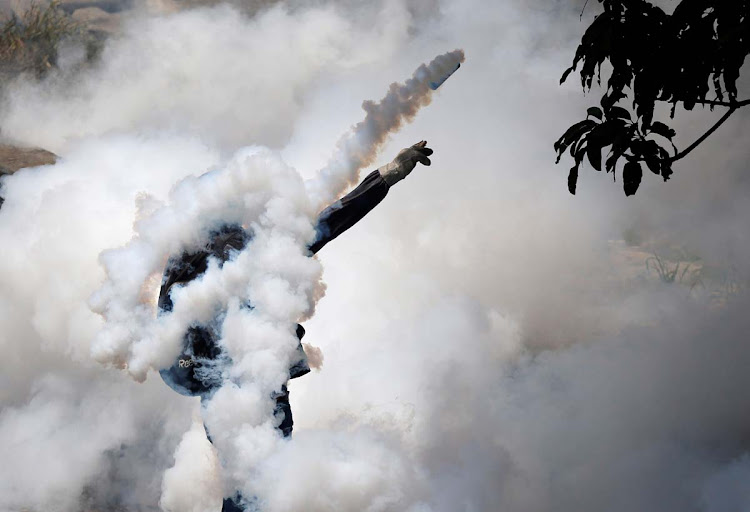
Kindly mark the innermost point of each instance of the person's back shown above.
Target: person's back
(198, 369)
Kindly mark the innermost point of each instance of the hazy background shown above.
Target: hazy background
(490, 342)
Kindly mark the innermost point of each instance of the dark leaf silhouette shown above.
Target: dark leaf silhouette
(565, 75)
(595, 156)
(595, 112)
(663, 130)
(573, 179)
(631, 177)
(573, 134)
(619, 112)
(692, 58)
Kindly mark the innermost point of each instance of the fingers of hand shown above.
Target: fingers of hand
(421, 146)
(422, 159)
(416, 153)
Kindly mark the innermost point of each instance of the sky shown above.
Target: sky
(489, 342)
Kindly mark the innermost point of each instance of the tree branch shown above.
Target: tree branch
(584, 8)
(735, 104)
(705, 135)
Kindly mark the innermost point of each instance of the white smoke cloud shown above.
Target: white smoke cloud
(273, 273)
(357, 149)
(64, 420)
(484, 348)
(196, 463)
(252, 93)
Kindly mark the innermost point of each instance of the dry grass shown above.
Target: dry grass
(29, 42)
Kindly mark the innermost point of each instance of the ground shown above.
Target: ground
(13, 158)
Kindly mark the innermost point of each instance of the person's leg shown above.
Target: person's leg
(284, 410)
(232, 504)
(237, 503)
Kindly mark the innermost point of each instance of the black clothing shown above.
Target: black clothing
(349, 210)
(197, 371)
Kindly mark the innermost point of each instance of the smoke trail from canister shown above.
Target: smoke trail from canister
(358, 147)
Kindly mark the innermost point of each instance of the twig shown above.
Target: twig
(734, 104)
(704, 136)
(580, 18)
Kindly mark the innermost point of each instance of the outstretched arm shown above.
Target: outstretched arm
(351, 208)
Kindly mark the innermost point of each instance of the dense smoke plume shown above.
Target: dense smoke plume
(358, 149)
(254, 190)
(273, 273)
(490, 342)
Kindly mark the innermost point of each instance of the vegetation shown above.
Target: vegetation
(691, 57)
(669, 274)
(717, 283)
(29, 43)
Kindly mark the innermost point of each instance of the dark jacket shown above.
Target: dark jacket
(199, 369)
